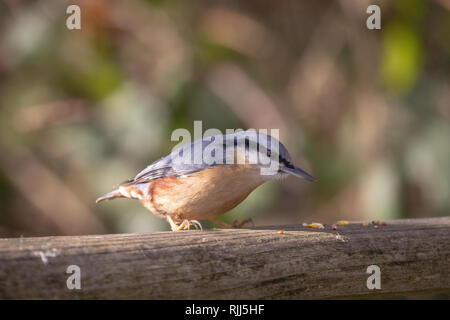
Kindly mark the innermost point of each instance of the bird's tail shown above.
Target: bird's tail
(111, 195)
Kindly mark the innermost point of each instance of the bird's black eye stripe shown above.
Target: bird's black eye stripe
(285, 162)
(269, 152)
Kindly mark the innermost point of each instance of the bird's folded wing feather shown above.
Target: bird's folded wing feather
(177, 163)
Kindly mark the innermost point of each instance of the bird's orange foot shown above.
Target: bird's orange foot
(236, 224)
(185, 225)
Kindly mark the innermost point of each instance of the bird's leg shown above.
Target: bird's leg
(173, 225)
(185, 225)
(235, 224)
(221, 224)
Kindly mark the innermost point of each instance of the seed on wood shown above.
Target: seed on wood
(342, 223)
(315, 225)
(280, 232)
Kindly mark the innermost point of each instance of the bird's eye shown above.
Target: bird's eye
(269, 152)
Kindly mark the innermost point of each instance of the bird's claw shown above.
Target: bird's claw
(185, 225)
(197, 225)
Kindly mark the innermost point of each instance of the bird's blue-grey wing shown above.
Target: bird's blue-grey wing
(180, 162)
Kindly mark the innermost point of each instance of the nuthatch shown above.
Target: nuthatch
(208, 177)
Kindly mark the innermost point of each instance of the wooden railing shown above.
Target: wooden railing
(411, 256)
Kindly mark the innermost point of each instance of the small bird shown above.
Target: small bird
(208, 177)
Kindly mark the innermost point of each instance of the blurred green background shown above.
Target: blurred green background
(365, 111)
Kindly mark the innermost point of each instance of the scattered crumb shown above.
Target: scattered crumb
(365, 224)
(375, 222)
(342, 223)
(333, 227)
(375, 226)
(280, 232)
(384, 224)
(314, 225)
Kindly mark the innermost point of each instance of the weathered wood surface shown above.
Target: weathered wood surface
(257, 263)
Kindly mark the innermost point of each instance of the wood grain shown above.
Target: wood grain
(257, 263)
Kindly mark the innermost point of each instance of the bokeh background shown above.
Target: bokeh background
(365, 111)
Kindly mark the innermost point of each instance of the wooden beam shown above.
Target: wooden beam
(257, 263)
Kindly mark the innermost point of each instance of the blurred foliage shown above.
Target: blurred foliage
(401, 58)
(365, 111)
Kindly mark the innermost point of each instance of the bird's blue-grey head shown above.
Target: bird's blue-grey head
(260, 150)
(273, 155)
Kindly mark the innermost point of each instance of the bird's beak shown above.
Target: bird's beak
(296, 171)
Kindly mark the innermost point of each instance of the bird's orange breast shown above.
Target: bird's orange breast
(202, 195)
